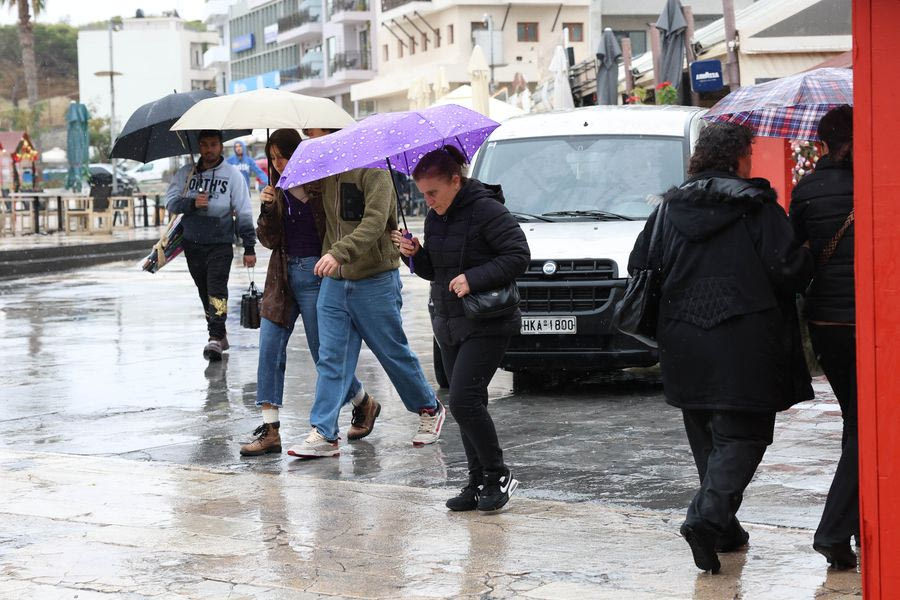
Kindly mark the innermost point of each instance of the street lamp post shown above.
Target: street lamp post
(112, 106)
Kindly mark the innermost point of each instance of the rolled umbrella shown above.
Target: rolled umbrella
(608, 54)
(672, 26)
(147, 135)
(167, 248)
(790, 107)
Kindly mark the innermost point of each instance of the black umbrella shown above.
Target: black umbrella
(608, 54)
(146, 135)
(671, 25)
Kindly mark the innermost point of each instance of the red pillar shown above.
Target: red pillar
(876, 49)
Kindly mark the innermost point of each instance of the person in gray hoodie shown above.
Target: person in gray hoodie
(208, 194)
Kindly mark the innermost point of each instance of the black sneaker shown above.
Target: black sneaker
(467, 499)
(703, 548)
(496, 491)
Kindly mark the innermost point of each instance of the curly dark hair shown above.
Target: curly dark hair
(719, 147)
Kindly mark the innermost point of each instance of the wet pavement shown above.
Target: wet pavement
(122, 475)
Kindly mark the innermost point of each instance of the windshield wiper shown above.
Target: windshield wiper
(587, 213)
(527, 216)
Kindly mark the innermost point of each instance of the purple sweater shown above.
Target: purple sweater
(301, 239)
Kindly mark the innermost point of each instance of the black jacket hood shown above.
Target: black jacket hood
(472, 190)
(709, 202)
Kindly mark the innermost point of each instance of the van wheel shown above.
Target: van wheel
(439, 374)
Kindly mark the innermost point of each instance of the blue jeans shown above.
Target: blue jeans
(273, 338)
(351, 312)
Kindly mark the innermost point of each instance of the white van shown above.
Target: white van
(582, 183)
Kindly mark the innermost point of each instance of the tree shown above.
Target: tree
(26, 41)
(98, 138)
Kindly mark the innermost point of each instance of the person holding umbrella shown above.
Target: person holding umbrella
(292, 224)
(474, 245)
(208, 194)
(360, 300)
(822, 214)
(728, 334)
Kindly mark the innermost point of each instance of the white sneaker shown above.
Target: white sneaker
(430, 426)
(314, 446)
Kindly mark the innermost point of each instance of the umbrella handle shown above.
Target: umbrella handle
(408, 235)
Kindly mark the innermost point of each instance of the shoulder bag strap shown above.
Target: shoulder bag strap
(831, 247)
(462, 253)
(656, 235)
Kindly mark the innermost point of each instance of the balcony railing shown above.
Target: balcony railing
(297, 19)
(337, 6)
(387, 5)
(301, 73)
(352, 60)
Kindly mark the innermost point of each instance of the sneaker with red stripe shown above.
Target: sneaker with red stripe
(430, 424)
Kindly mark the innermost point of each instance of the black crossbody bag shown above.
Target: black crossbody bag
(489, 304)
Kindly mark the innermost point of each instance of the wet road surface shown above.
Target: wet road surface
(116, 426)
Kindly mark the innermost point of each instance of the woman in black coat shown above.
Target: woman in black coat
(473, 244)
(728, 334)
(822, 214)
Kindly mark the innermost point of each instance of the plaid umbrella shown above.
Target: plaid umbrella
(790, 107)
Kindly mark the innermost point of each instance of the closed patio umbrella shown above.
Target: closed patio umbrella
(672, 26)
(608, 54)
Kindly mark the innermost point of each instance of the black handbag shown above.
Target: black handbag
(489, 304)
(637, 313)
(250, 317)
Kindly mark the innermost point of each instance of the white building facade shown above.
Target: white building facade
(418, 39)
(155, 56)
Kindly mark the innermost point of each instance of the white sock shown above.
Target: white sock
(359, 397)
(270, 415)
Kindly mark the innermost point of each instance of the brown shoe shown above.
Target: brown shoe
(268, 441)
(363, 420)
(214, 349)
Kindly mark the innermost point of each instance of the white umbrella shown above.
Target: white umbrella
(441, 86)
(264, 108)
(562, 93)
(55, 155)
(479, 72)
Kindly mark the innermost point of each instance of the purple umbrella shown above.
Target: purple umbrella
(388, 141)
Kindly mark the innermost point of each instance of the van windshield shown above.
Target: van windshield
(580, 175)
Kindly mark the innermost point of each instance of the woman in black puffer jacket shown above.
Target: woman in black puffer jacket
(822, 206)
(473, 245)
(728, 333)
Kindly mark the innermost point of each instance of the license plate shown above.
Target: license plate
(543, 325)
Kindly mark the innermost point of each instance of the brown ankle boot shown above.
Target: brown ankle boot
(363, 419)
(268, 441)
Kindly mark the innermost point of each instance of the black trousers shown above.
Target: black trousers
(470, 366)
(728, 447)
(210, 266)
(835, 346)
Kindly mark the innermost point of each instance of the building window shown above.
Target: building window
(196, 56)
(384, 52)
(437, 38)
(424, 42)
(477, 26)
(399, 48)
(450, 34)
(527, 32)
(576, 31)
(638, 40)
(412, 45)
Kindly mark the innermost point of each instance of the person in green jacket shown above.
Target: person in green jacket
(360, 300)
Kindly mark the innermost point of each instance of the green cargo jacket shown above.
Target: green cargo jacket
(360, 213)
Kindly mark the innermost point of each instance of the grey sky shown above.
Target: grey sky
(78, 12)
